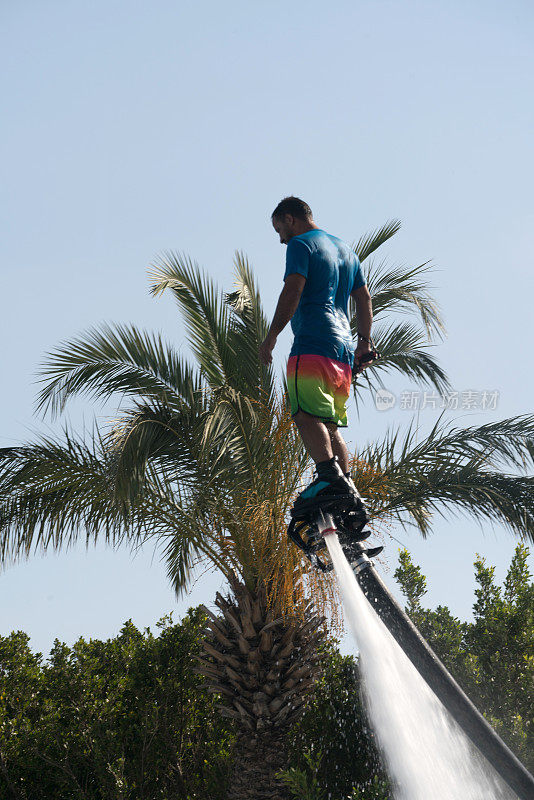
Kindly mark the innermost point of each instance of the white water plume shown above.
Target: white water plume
(427, 755)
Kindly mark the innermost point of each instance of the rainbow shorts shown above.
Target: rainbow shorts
(319, 386)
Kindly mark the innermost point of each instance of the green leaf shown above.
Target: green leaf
(109, 360)
(370, 242)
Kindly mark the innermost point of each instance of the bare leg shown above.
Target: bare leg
(315, 436)
(339, 448)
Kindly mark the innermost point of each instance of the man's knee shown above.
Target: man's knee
(301, 418)
(297, 418)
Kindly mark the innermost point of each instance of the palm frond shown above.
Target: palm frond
(176, 524)
(404, 349)
(205, 313)
(455, 468)
(178, 554)
(397, 289)
(504, 444)
(213, 449)
(487, 497)
(370, 242)
(152, 434)
(249, 329)
(55, 492)
(110, 360)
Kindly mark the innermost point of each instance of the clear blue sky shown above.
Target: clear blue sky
(134, 127)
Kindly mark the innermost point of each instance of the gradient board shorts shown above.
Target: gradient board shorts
(319, 386)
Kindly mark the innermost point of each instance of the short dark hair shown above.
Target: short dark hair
(294, 206)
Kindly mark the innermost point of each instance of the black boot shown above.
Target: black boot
(354, 521)
(329, 490)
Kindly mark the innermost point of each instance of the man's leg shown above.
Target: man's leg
(312, 384)
(339, 448)
(327, 448)
(322, 387)
(322, 440)
(315, 435)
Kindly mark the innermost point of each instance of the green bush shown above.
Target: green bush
(128, 719)
(304, 785)
(124, 718)
(492, 658)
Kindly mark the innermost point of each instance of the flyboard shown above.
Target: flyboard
(347, 518)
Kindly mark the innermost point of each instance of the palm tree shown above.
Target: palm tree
(203, 459)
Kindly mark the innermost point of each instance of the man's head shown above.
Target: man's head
(291, 217)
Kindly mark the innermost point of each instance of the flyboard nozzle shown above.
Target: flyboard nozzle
(359, 559)
(360, 563)
(325, 523)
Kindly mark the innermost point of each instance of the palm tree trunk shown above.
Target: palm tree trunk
(262, 669)
(256, 764)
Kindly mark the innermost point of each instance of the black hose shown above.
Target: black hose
(444, 686)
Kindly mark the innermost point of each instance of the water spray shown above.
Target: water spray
(317, 536)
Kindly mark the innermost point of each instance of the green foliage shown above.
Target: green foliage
(127, 718)
(454, 470)
(335, 726)
(304, 783)
(492, 657)
(123, 718)
(376, 789)
(413, 582)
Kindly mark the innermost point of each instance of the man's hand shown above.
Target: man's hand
(363, 349)
(266, 350)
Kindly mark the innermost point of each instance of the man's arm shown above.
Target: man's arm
(364, 310)
(285, 308)
(364, 315)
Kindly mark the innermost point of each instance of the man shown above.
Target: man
(322, 272)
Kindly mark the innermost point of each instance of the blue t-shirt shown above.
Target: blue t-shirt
(332, 270)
